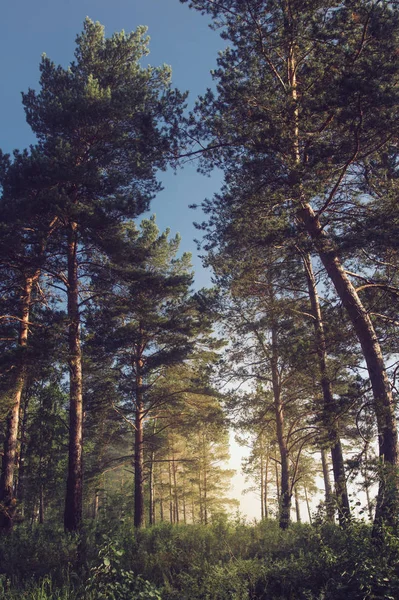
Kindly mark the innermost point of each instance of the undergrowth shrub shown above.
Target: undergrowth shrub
(227, 560)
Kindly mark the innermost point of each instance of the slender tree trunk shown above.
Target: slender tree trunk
(96, 505)
(388, 494)
(285, 494)
(297, 507)
(73, 502)
(20, 487)
(171, 513)
(139, 448)
(41, 505)
(205, 486)
(265, 497)
(277, 482)
(161, 514)
(184, 506)
(151, 486)
(7, 499)
(329, 407)
(262, 489)
(307, 504)
(152, 480)
(175, 491)
(329, 501)
(367, 481)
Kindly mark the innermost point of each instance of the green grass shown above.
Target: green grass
(223, 561)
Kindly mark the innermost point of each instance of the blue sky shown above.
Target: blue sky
(179, 36)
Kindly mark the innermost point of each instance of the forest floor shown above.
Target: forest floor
(226, 560)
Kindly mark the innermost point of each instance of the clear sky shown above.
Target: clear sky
(179, 37)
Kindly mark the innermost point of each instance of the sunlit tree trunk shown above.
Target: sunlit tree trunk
(388, 494)
(7, 498)
(73, 502)
(139, 446)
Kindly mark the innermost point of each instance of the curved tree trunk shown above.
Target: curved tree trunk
(388, 494)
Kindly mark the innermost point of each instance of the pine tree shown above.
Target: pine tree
(306, 100)
(105, 124)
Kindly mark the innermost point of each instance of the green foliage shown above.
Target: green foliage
(223, 561)
(109, 581)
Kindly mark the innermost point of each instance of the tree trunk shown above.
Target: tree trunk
(175, 490)
(265, 497)
(152, 479)
(73, 502)
(285, 492)
(20, 487)
(367, 484)
(205, 486)
(329, 501)
(7, 499)
(297, 507)
(151, 485)
(307, 504)
(277, 482)
(388, 494)
(41, 505)
(139, 451)
(262, 491)
(329, 409)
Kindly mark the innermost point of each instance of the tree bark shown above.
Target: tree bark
(20, 487)
(285, 490)
(73, 501)
(388, 494)
(262, 508)
(7, 499)
(307, 504)
(297, 507)
(329, 501)
(329, 410)
(265, 497)
(139, 452)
